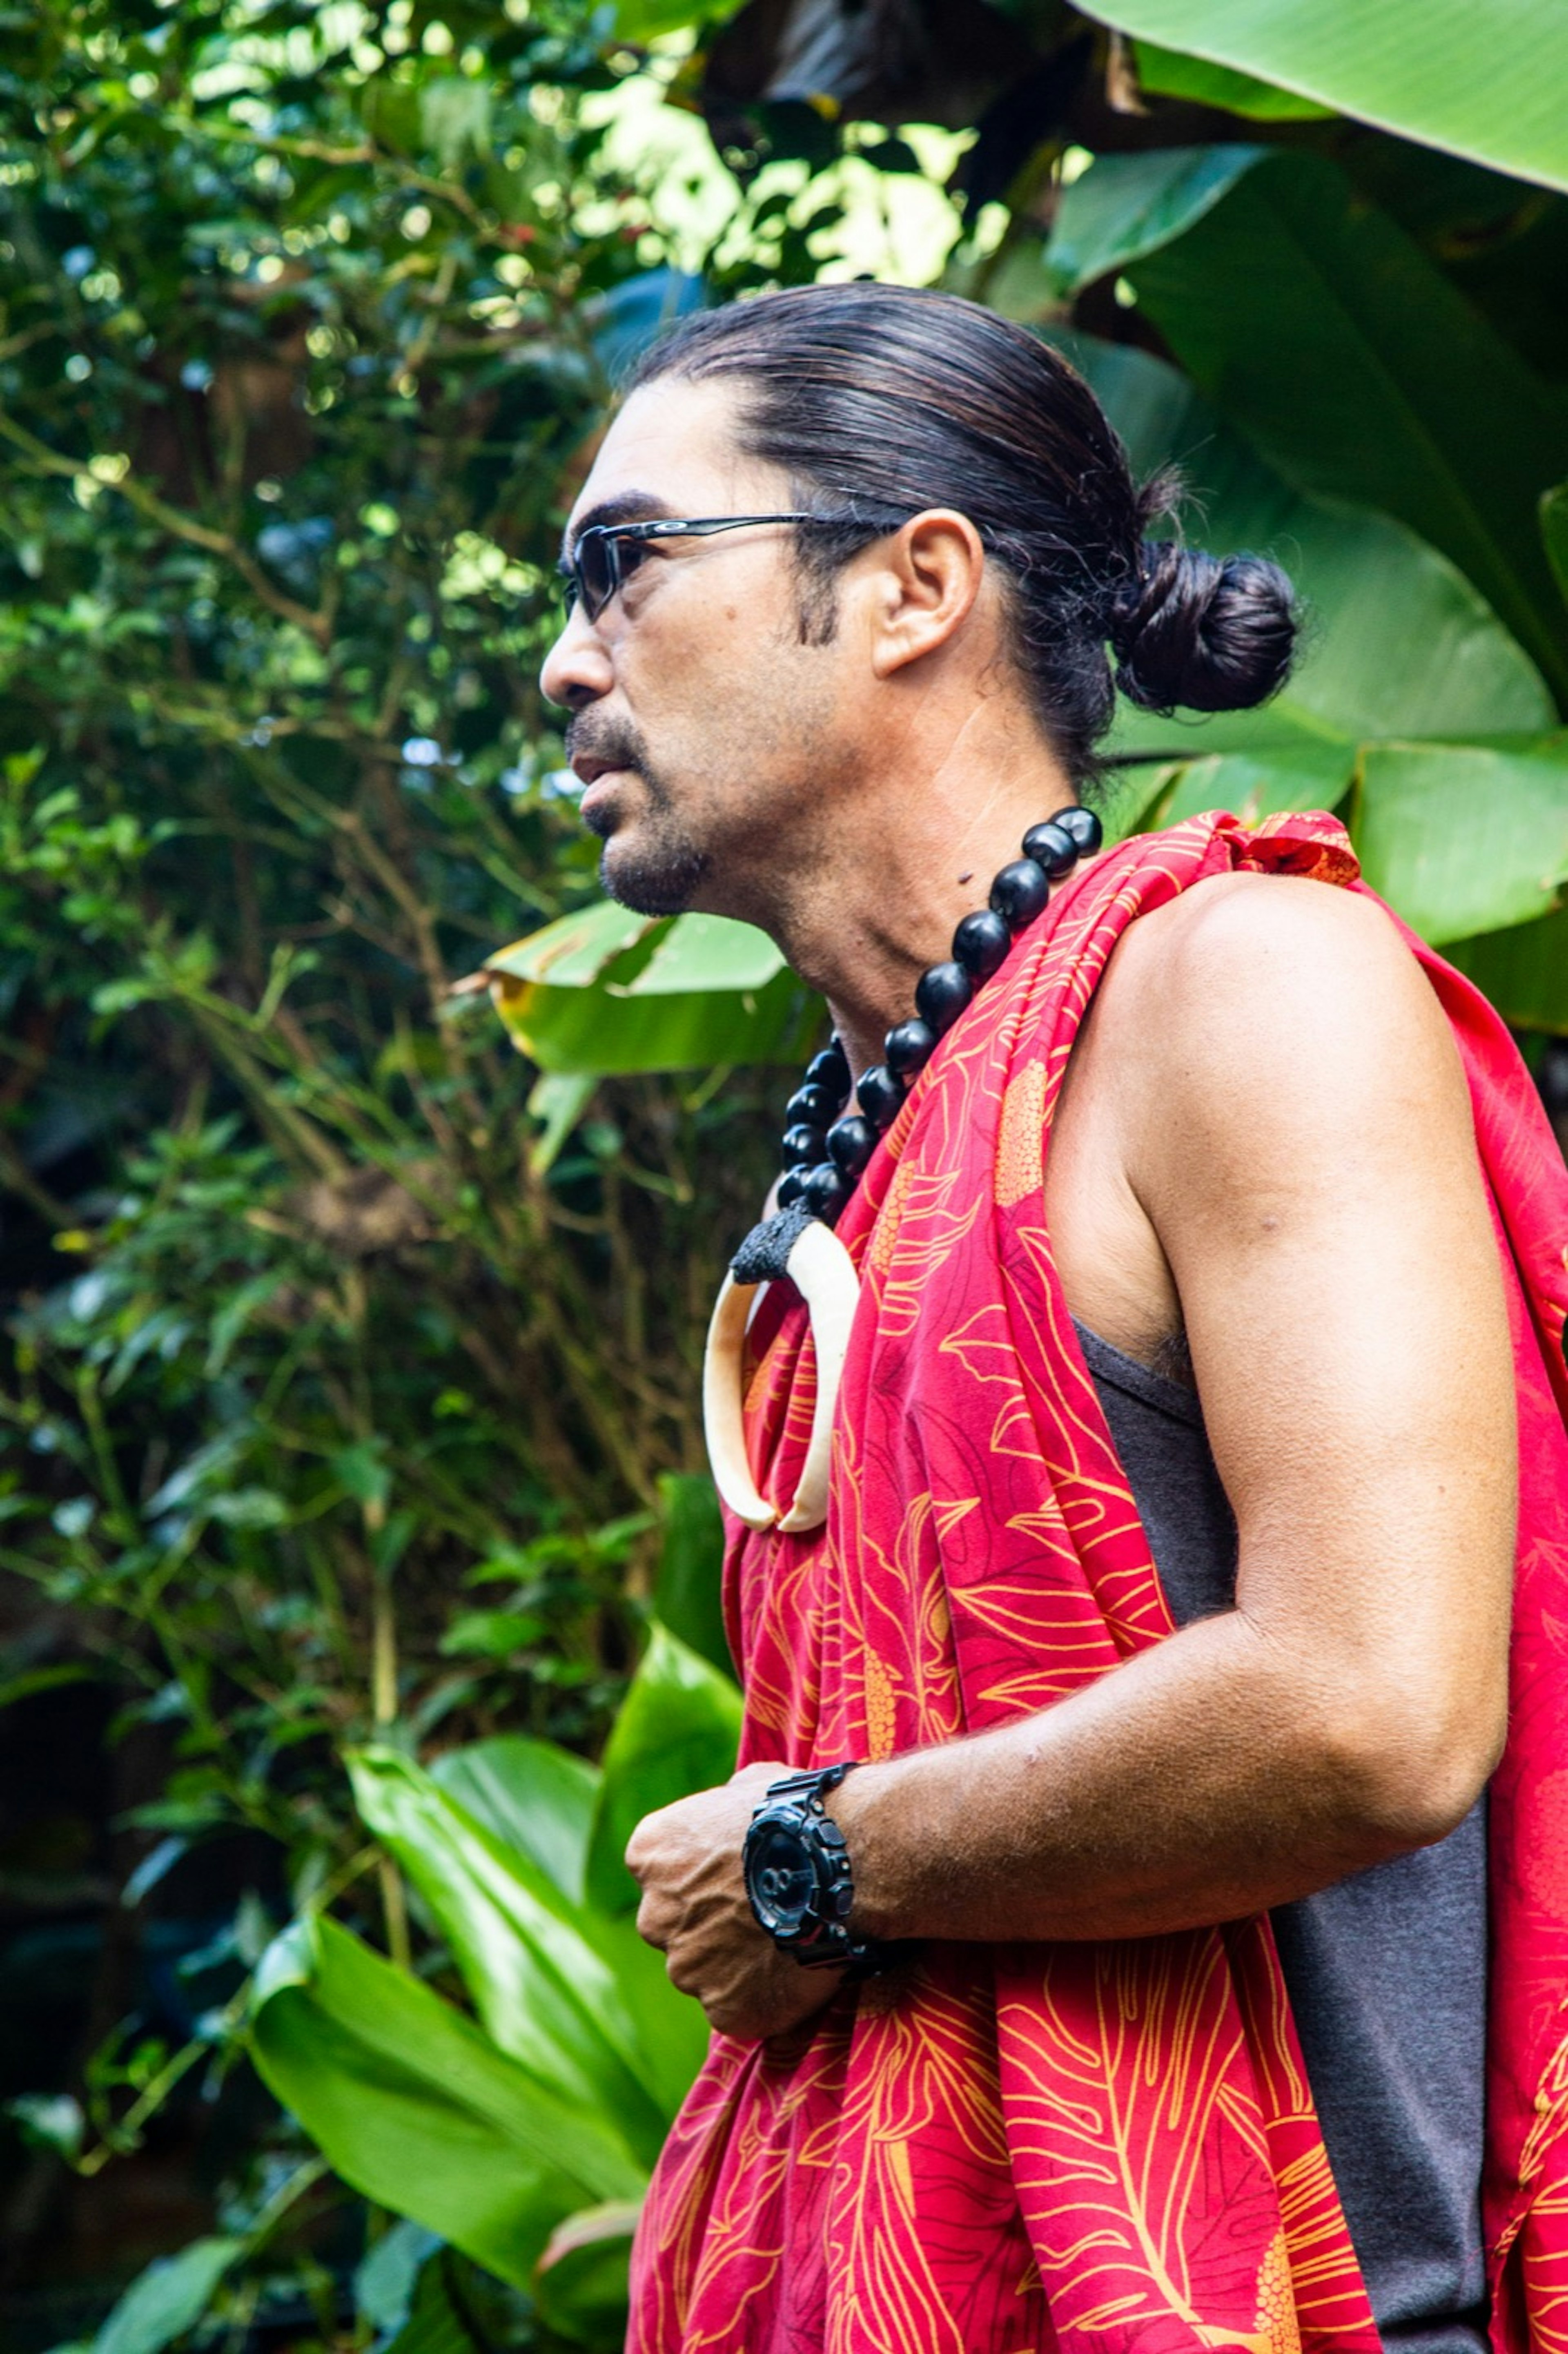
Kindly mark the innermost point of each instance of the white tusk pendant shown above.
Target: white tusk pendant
(823, 1272)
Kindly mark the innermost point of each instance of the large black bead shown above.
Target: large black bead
(1020, 893)
(941, 994)
(815, 1105)
(1051, 847)
(909, 1047)
(852, 1142)
(831, 1069)
(824, 1190)
(1083, 826)
(981, 943)
(879, 1094)
(791, 1189)
(803, 1145)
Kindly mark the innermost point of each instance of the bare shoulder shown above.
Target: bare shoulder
(1257, 946)
(1273, 1007)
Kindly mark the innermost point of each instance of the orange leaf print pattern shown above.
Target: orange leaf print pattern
(1102, 2147)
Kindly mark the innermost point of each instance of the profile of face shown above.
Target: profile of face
(707, 725)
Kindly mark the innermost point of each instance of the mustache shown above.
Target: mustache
(596, 736)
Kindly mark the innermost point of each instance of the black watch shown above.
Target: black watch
(798, 1880)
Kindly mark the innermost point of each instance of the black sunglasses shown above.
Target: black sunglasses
(605, 553)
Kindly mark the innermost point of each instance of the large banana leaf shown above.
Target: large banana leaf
(1464, 838)
(1523, 971)
(1124, 206)
(579, 1999)
(1481, 78)
(1256, 784)
(1397, 643)
(677, 1733)
(1554, 532)
(1399, 648)
(412, 2105)
(607, 991)
(1174, 73)
(1340, 349)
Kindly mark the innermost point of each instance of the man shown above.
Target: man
(1092, 1714)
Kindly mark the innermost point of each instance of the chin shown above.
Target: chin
(651, 879)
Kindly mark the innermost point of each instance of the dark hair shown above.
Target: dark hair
(878, 401)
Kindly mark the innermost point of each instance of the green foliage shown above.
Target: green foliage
(1127, 205)
(1366, 376)
(1482, 78)
(608, 992)
(686, 1596)
(1418, 839)
(171, 2295)
(416, 2107)
(677, 1731)
(1171, 73)
(523, 2141)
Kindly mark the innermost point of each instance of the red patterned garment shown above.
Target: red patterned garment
(1100, 2146)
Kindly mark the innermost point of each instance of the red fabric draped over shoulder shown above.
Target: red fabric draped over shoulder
(1102, 2146)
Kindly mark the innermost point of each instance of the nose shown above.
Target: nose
(577, 668)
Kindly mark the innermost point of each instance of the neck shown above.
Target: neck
(898, 868)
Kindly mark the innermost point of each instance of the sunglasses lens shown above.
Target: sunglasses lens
(597, 573)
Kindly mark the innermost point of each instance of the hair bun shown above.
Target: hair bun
(1206, 633)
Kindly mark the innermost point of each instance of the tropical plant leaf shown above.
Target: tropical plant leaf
(605, 991)
(1173, 73)
(646, 20)
(413, 2105)
(580, 948)
(557, 1989)
(678, 1731)
(1366, 376)
(167, 2299)
(532, 1796)
(557, 1100)
(385, 2280)
(1397, 642)
(1554, 532)
(686, 1591)
(1464, 838)
(1125, 206)
(580, 2280)
(1256, 785)
(435, 2323)
(1523, 971)
(1481, 78)
(1130, 796)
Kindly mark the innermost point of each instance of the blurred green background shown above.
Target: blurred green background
(357, 1568)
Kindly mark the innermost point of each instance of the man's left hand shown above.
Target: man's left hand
(687, 1860)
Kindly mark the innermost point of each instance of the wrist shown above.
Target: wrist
(859, 1808)
(800, 1877)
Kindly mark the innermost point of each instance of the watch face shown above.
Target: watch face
(780, 1877)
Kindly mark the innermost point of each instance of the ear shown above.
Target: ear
(926, 577)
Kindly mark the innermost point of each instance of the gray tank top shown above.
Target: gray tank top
(1386, 1971)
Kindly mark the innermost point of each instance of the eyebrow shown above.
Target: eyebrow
(627, 506)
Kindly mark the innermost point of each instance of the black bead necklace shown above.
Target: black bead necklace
(825, 1148)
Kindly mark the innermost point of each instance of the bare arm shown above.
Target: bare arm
(1290, 1138)
(1295, 1126)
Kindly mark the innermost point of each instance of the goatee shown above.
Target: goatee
(660, 875)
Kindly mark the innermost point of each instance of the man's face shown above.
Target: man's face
(707, 735)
